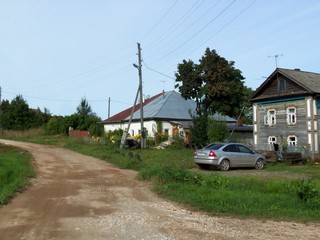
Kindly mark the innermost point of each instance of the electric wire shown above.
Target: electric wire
(160, 20)
(224, 26)
(199, 31)
(178, 34)
(144, 63)
(174, 26)
(63, 100)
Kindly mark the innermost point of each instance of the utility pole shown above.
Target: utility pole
(143, 132)
(276, 58)
(0, 112)
(126, 131)
(109, 107)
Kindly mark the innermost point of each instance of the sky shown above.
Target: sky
(56, 52)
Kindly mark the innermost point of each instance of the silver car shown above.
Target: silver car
(228, 155)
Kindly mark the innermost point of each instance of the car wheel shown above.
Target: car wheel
(204, 166)
(224, 165)
(259, 164)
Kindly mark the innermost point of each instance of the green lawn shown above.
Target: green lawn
(15, 171)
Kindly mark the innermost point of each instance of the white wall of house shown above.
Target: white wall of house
(135, 127)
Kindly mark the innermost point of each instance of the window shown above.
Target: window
(292, 140)
(231, 148)
(291, 116)
(270, 118)
(244, 149)
(282, 85)
(272, 140)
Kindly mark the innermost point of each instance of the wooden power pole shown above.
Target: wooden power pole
(143, 132)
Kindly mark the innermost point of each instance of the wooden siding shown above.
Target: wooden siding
(282, 130)
(272, 90)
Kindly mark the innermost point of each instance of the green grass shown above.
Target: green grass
(173, 175)
(309, 169)
(15, 171)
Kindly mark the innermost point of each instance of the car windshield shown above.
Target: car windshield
(214, 146)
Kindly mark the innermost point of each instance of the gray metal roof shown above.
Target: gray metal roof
(169, 105)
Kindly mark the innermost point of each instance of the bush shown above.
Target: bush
(171, 175)
(199, 130)
(304, 189)
(217, 130)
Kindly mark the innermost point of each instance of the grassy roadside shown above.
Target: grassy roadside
(172, 173)
(15, 171)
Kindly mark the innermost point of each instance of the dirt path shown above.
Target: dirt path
(80, 197)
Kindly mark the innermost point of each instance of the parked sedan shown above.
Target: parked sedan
(228, 155)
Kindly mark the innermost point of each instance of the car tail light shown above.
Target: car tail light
(195, 152)
(212, 154)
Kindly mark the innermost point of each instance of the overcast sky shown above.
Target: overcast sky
(55, 52)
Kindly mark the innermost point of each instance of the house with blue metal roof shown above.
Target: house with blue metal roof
(168, 107)
(174, 112)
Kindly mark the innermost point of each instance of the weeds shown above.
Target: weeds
(15, 171)
(304, 189)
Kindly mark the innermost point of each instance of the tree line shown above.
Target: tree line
(17, 115)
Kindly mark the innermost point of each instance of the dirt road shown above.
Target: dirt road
(80, 197)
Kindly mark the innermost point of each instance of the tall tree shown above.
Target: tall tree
(189, 81)
(19, 114)
(215, 84)
(85, 117)
(84, 108)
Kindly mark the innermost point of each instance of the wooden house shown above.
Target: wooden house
(285, 112)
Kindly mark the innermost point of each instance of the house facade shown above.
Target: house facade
(285, 112)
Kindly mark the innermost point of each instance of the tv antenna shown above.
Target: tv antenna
(164, 84)
(276, 58)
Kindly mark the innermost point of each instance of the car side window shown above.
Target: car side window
(231, 148)
(244, 149)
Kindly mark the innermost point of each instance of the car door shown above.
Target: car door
(247, 156)
(231, 152)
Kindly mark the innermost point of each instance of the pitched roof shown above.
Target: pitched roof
(308, 81)
(167, 105)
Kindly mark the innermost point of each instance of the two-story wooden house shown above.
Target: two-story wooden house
(285, 111)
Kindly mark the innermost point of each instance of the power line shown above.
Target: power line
(144, 63)
(224, 26)
(64, 100)
(174, 26)
(161, 19)
(200, 30)
(202, 15)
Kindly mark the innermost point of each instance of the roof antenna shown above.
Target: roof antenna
(276, 58)
(164, 84)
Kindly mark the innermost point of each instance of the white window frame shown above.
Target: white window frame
(270, 119)
(272, 140)
(291, 116)
(291, 141)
